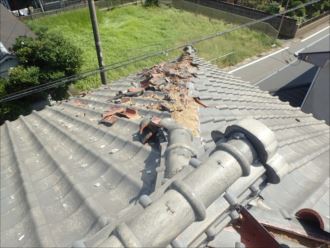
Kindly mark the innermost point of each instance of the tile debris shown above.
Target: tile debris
(172, 81)
(112, 115)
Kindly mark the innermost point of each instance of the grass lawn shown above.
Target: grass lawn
(135, 30)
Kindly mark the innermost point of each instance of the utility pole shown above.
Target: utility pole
(282, 19)
(92, 13)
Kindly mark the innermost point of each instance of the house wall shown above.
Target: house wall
(317, 99)
(19, 4)
(291, 76)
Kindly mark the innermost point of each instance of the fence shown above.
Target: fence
(236, 13)
(217, 13)
(114, 3)
(55, 7)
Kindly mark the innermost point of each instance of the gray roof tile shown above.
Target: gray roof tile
(64, 176)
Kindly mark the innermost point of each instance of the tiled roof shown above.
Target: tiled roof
(66, 177)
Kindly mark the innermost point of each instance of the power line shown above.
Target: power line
(221, 56)
(53, 84)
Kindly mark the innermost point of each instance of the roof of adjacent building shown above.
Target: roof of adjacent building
(317, 53)
(11, 28)
(67, 177)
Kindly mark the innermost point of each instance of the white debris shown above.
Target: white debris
(20, 236)
(114, 151)
(102, 146)
(84, 165)
(97, 184)
(64, 205)
(12, 197)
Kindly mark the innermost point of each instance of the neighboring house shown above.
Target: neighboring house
(255, 171)
(292, 82)
(7, 61)
(21, 7)
(11, 28)
(17, 4)
(317, 98)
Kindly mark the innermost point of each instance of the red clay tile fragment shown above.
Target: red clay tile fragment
(129, 113)
(78, 103)
(134, 89)
(156, 120)
(112, 111)
(145, 84)
(125, 99)
(109, 119)
(149, 128)
(112, 115)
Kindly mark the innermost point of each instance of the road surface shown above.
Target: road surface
(263, 67)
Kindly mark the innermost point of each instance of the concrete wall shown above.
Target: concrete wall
(217, 13)
(317, 99)
(289, 27)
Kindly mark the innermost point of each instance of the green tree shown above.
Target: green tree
(271, 8)
(21, 77)
(3, 83)
(43, 59)
(151, 3)
(50, 52)
(54, 56)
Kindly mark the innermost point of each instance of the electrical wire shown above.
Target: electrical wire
(53, 84)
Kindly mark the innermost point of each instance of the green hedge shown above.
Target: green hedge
(46, 58)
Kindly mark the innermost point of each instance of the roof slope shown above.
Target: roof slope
(11, 27)
(65, 177)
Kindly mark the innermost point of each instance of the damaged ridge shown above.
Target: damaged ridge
(168, 85)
